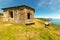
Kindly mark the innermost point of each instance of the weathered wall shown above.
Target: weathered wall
(31, 16)
(19, 16)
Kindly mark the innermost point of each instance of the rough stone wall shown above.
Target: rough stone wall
(31, 16)
(15, 15)
(19, 16)
(22, 14)
(5, 16)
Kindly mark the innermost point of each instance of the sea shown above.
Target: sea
(55, 21)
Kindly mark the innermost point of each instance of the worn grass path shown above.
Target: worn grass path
(37, 31)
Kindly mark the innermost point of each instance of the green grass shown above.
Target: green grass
(37, 31)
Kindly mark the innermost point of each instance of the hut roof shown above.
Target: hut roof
(18, 7)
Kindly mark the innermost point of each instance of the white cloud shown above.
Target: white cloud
(51, 4)
(54, 15)
(51, 16)
(41, 3)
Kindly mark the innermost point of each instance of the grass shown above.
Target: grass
(37, 31)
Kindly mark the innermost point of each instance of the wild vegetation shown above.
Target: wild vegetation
(1, 16)
(37, 31)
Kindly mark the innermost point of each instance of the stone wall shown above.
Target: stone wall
(19, 16)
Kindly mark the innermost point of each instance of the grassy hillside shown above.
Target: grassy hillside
(37, 31)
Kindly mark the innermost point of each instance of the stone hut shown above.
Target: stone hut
(19, 14)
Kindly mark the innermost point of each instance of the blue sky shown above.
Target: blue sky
(43, 8)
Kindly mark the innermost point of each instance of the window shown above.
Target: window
(28, 15)
(11, 14)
